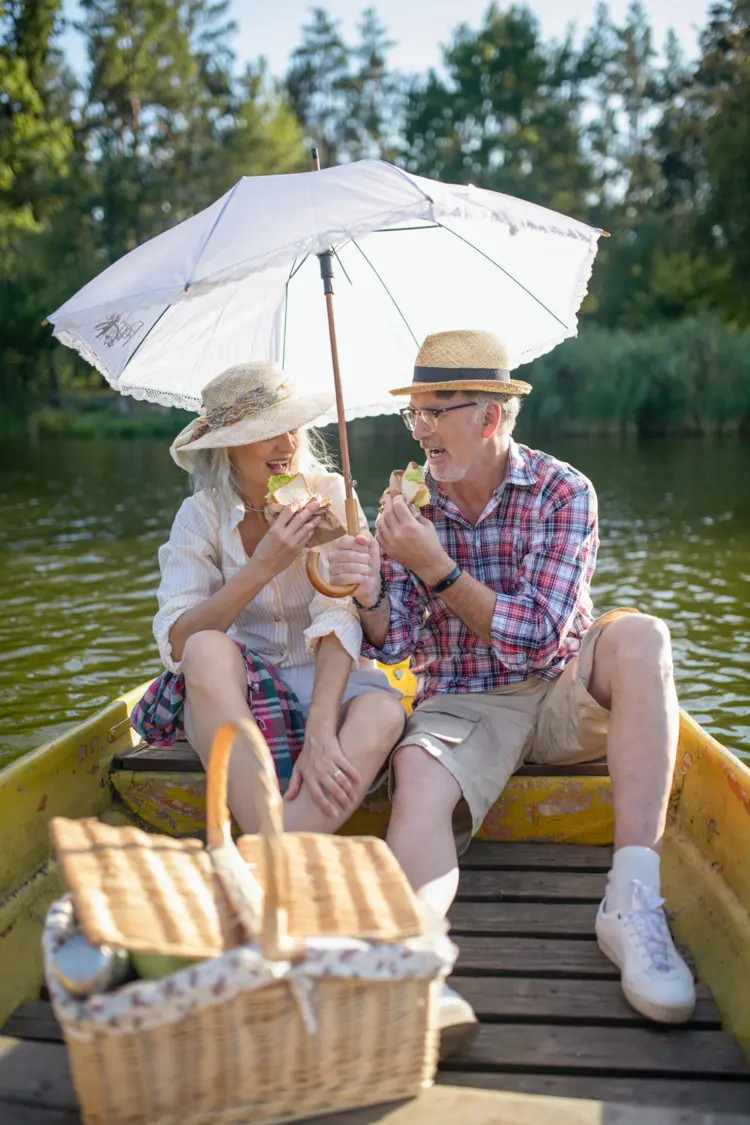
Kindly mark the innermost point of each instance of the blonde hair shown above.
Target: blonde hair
(213, 471)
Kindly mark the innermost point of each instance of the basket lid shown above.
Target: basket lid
(151, 893)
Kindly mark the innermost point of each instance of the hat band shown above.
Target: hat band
(449, 374)
(251, 402)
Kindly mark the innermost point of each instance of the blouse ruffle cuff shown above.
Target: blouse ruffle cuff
(345, 626)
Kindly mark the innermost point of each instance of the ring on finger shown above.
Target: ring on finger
(337, 773)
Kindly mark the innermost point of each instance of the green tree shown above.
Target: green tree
(724, 80)
(507, 115)
(158, 71)
(317, 84)
(35, 137)
(374, 93)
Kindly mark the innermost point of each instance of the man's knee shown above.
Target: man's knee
(421, 780)
(640, 637)
(209, 657)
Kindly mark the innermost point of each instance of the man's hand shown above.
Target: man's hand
(355, 561)
(412, 541)
(324, 768)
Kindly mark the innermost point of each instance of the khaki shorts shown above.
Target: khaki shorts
(482, 738)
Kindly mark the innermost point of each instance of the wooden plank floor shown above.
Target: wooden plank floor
(553, 1018)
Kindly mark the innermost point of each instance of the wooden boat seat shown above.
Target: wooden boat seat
(182, 758)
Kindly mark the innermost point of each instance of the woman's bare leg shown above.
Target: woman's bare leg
(371, 726)
(216, 689)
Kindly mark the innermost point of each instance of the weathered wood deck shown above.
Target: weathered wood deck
(554, 1021)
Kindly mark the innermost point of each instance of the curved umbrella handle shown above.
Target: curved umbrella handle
(318, 581)
(313, 558)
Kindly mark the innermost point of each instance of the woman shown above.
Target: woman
(240, 625)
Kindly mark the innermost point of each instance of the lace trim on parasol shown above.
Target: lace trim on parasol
(142, 394)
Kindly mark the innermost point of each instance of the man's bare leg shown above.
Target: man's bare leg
(420, 833)
(633, 677)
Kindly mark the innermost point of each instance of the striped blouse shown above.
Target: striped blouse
(285, 621)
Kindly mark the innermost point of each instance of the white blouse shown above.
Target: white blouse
(285, 621)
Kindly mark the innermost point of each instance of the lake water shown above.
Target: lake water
(80, 524)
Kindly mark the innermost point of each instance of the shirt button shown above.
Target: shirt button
(277, 619)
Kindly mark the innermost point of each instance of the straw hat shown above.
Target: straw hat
(247, 403)
(463, 360)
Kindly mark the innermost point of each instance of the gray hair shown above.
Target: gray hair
(510, 407)
(213, 470)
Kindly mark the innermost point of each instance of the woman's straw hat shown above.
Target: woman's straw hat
(463, 360)
(247, 403)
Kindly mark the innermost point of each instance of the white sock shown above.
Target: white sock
(628, 864)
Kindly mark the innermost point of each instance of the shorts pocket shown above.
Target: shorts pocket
(451, 729)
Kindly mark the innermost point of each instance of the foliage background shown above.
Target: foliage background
(652, 149)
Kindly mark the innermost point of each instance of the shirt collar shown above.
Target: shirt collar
(519, 472)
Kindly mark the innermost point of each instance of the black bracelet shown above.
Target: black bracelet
(370, 608)
(449, 579)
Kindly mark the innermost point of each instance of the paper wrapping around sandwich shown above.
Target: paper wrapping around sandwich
(327, 530)
(296, 488)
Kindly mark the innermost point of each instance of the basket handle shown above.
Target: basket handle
(276, 945)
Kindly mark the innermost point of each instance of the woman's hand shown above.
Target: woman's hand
(355, 561)
(324, 768)
(287, 536)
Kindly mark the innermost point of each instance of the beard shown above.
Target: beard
(448, 474)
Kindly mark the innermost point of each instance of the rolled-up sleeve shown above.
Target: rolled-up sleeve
(334, 615)
(407, 616)
(189, 572)
(528, 625)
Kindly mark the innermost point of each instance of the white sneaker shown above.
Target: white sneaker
(655, 979)
(458, 1024)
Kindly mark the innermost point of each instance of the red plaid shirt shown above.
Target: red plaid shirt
(535, 545)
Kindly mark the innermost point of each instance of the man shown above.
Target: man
(488, 592)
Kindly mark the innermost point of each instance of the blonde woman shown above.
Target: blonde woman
(241, 630)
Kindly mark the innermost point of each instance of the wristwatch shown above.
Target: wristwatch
(448, 581)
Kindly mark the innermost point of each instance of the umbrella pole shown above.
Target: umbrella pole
(326, 273)
(350, 504)
(352, 515)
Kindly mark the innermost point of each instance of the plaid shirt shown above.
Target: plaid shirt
(535, 545)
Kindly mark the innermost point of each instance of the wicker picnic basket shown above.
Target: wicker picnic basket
(319, 978)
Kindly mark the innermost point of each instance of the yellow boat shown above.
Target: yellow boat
(554, 1023)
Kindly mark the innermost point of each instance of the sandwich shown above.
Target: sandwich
(292, 488)
(409, 483)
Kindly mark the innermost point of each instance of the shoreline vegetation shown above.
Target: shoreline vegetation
(685, 379)
(604, 124)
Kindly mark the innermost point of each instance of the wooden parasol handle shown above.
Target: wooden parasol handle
(275, 942)
(352, 515)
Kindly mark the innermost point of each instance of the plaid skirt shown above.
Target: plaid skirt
(158, 715)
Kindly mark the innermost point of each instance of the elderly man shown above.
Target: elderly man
(487, 591)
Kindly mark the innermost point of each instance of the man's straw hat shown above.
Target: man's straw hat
(247, 403)
(463, 360)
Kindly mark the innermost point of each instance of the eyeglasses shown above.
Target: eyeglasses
(428, 416)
